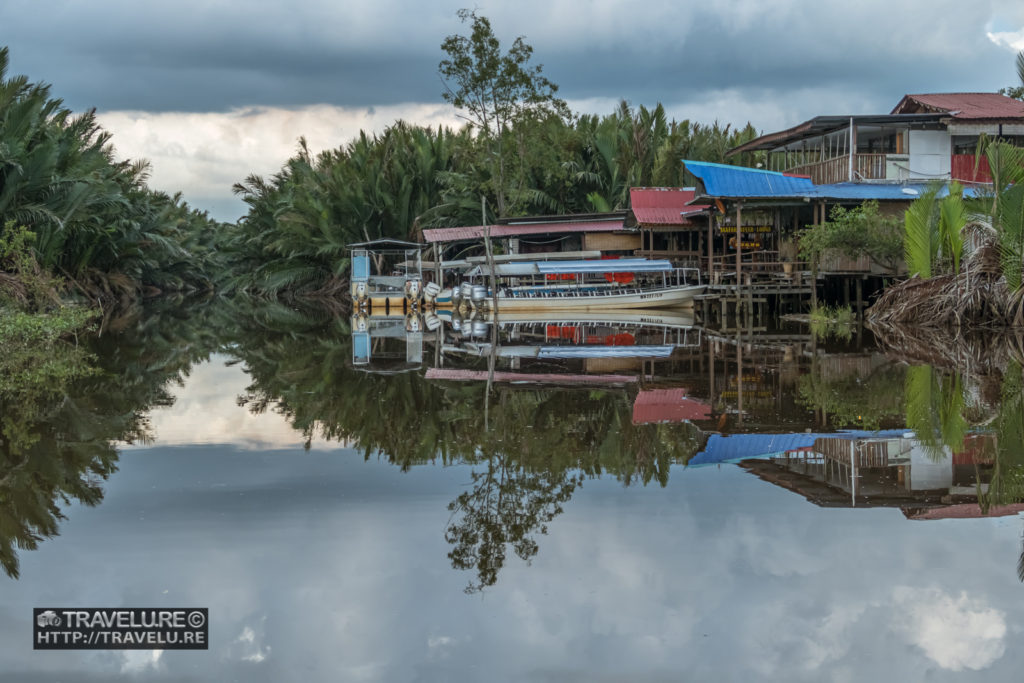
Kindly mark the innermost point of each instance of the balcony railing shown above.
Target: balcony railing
(837, 169)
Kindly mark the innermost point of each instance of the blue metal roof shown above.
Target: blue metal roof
(735, 447)
(740, 182)
(883, 191)
(721, 180)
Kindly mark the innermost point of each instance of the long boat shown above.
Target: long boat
(608, 285)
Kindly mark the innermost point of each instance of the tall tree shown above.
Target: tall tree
(493, 90)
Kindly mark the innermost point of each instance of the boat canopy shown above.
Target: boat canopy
(626, 265)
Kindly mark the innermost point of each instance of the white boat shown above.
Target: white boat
(581, 299)
(592, 285)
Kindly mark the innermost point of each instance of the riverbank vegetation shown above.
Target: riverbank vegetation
(964, 253)
(72, 213)
(521, 152)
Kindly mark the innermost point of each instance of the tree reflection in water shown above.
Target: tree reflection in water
(537, 446)
(64, 405)
(968, 387)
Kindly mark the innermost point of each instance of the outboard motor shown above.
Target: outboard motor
(412, 290)
(431, 290)
(359, 292)
(479, 294)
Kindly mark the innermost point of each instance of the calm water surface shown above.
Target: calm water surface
(536, 504)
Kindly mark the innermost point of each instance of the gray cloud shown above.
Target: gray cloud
(188, 57)
(208, 63)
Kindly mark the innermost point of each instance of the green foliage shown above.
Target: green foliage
(832, 321)
(1006, 163)
(23, 284)
(93, 219)
(65, 401)
(872, 400)
(292, 241)
(494, 91)
(934, 232)
(861, 231)
(921, 225)
(952, 219)
(1016, 91)
(935, 409)
(521, 153)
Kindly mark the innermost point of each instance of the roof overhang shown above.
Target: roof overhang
(823, 125)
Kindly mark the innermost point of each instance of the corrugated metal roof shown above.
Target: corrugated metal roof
(663, 205)
(820, 125)
(968, 511)
(667, 405)
(631, 265)
(386, 242)
(964, 105)
(659, 217)
(625, 265)
(457, 374)
(661, 197)
(721, 180)
(740, 182)
(476, 232)
(735, 447)
(865, 191)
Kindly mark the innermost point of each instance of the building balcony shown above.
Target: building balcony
(865, 167)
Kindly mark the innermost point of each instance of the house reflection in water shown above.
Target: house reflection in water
(889, 470)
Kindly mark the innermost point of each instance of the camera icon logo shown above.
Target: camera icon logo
(47, 618)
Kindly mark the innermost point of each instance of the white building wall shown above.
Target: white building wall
(926, 473)
(930, 152)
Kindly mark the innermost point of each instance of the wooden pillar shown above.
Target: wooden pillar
(711, 372)
(739, 375)
(860, 297)
(739, 246)
(711, 255)
(437, 265)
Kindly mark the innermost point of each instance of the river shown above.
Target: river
(571, 500)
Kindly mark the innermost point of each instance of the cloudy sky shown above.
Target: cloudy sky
(213, 90)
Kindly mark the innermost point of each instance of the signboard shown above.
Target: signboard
(731, 229)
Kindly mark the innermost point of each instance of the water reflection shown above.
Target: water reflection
(536, 406)
(64, 406)
(571, 480)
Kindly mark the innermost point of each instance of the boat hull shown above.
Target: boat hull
(672, 297)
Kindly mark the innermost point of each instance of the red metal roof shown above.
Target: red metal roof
(663, 205)
(969, 511)
(474, 232)
(667, 405)
(963, 105)
(527, 378)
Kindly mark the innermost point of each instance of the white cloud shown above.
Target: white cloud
(956, 632)
(139, 661)
(1011, 39)
(205, 412)
(204, 154)
(248, 649)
